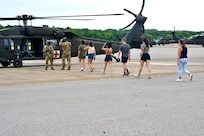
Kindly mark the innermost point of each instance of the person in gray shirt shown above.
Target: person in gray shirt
(144, 58)
(125, 50)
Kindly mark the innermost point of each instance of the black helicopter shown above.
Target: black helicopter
(166, 40)
(26, 42)
(196, 39)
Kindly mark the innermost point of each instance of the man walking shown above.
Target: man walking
(125, 50)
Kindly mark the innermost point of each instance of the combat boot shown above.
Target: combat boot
(46, 68)
(62, 68)
(69, 68)
(52, 68)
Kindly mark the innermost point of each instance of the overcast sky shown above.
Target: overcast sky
(161, 14)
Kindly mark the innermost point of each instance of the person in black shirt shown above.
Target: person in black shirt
(182, 61)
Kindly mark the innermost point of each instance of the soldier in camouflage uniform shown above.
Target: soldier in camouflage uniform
(66, 52)
(48, 53)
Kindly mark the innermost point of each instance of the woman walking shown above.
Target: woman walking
(107, 47)
(144, 57)
(182, 60)
(91, 54)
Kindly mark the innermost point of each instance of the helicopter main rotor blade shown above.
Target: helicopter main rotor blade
(128, 25)
(117, 14)
(30, 17)
(70, 19)
(143, 3)
(8, 18)
(135, 15)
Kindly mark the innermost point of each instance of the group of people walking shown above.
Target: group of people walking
(82, 53)
(123, 55)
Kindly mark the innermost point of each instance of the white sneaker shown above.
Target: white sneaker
(136, 76)
(179, 80)
(81, 69)
(191, 77)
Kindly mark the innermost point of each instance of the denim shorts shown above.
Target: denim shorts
(91, 56)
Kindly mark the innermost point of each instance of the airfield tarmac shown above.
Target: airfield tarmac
(163, 61)
(35, 102)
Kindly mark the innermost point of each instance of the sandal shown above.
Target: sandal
(92, 69)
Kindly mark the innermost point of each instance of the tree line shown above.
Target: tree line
(114, 35)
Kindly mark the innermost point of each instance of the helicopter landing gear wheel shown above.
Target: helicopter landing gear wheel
(4, 64)
(17, 63)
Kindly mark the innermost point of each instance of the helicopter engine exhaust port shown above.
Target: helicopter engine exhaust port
(17, 63)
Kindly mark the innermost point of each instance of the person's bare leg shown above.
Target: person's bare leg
(105, 65)
(140, 68)
(148, 68)
(111, 67)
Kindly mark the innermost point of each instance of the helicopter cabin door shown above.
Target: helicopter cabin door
(31, 48)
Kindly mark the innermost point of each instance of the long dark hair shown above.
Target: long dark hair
(109, 44)
(91, 44)
(146, 41)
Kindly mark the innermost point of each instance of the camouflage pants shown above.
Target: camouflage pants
(68, 58)
(47, 59)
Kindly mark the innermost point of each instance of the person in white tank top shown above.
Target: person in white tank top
(91, 50)
(91, 55)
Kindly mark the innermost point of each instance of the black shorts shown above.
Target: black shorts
(145, 56)
(124, 59)
(108, 58)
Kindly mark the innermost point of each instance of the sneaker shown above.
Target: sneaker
(149, 77)
(81, 69)
(124, 74)
(191, 77)
(179, 80)
(128, 73)
(136, 76)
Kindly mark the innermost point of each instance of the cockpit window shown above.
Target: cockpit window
(6, 43)
(11, 42)
(54, 43)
